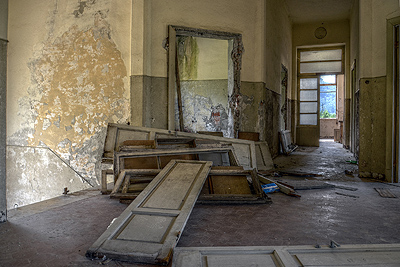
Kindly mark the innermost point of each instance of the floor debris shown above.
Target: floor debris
(149, 228)
(346, 188)
(383, 192)
(346, 195)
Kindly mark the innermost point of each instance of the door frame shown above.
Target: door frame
(308, 130)
(237, 50)
(392, 104)
(300, 129)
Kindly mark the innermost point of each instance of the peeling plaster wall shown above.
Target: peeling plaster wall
(372, 128)
(30, 187)
(67, 79)
(257, 21)
(203, 72)
(229, 16)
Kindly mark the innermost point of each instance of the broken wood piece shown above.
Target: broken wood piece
(174, 142)
(264, 158)
(137, 144)
(149, 229)
(284, 189)
(230, 185)
(286, 142)
(344, 187)
(346, 195)
(117, 133)
(223, 184)
(220, 134)
(307, 184)
(252, 136)
(126, 183)
(298, 174)
(104, 174)
(125, 179)
(158, 158)
(289, 256)
(232, 199)
(383, 192)
(119, 182)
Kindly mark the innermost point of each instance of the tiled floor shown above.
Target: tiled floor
(59, 231)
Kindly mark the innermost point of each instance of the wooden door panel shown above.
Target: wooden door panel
(387, 255)
(150, 227)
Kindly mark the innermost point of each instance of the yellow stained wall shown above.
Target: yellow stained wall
(69, 72)
(375, 96)
(68, 76)
(229, 16)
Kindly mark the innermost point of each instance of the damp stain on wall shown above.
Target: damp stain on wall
(188, 57)
(80, 79)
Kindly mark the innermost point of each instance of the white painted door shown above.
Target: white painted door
(148, 230)
(309, 129)
(383, 255)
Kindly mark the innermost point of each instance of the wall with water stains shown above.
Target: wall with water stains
(68, 77)
(203, 77)
(76, 65)
(263, 56)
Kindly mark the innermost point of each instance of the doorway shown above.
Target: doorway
(204, 80)
(318, 74)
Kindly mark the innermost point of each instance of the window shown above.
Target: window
(327, 96)
(321, 61)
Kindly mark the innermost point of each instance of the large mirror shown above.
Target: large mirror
(204, 80)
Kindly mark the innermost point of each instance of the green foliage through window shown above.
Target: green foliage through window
(327, 97)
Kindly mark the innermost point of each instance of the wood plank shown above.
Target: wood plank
(126, 183)
(141, 162)
(119, 182)
(382, 255)
(230, 184)
(252, 136)
(164, 160)
(149, 229)
(104, 174)
(244, 149)
(154, 154)
(383, 192)
(220, 134)
(263, 155)
(137, 144)
(286, 142)
(284, 189)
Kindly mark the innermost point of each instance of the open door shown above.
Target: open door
(308, 129)
(312, 63)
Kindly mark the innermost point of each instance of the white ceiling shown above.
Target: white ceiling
(310, 11)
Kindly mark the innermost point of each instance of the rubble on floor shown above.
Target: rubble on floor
(156, 170)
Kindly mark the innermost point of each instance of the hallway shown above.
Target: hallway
(320, 215)
(58, 232)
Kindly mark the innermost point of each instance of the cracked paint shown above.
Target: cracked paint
(80, 78)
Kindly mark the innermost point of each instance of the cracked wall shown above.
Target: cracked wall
(203, 73)
(78, 83)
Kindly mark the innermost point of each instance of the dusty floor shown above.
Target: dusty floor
(58, 232)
